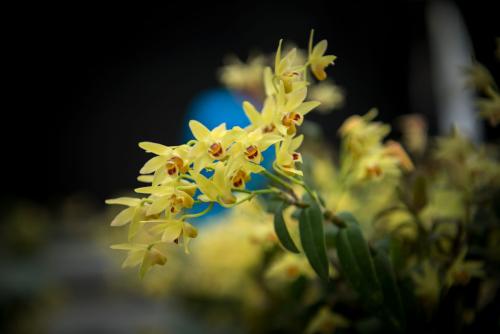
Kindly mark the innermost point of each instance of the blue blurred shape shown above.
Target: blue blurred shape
(214, 107)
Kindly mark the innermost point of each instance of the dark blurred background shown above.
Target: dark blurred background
(90, 82)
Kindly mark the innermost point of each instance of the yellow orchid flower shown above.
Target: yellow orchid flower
(169, 162)
(174, 230)
(317, 58)
(217, 188)
(286, 155)
(361, 134)
(173, 202)
(173, 196)
(239, 171)
(461, 271)
(250, 145)
(125, 216)
(285, 69)
(211, 145)
(137, 211)
(266, 119)
(394, 149)
(291, 109)
(142, 254)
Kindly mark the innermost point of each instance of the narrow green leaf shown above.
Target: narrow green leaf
(394, 311)
(313, 239)
(282, 231)
(349, 264)
(357, 263)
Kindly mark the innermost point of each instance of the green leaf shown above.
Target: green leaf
(331, 232)
(313, 239)
(356, 262)
(282, 231)
(393, 307)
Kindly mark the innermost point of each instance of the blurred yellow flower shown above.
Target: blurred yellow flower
(288, 267)
(239, 75)
(317, 58)
(329, 95)
(125, 216)
(461, 271)
(326, 321)
(489, 108)
(142, 254)
(427, 283)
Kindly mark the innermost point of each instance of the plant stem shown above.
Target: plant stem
(298, 182)
(199, 214)
(332, 218)
(276, 179)
(288, 177)
(186, 176)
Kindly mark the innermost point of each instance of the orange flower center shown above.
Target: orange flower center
(216, 150)
(176, 203)
(252, 152)
(268, 128)
(292, 271)
(373, 171)
(239, 179)
(174, 165)
(291, 119)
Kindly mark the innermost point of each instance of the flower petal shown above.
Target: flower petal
(200, 132)
(155, 148)
(306, 107)
(252, 113)
(128, 201)
(172, 231)
(153, 164)
(129, 246)
(320, 49)
(133, 259)
(159, 204)
(295, 98)
(296, 142)
(123, 217)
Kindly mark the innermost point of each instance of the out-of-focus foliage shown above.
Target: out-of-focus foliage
(489, 102)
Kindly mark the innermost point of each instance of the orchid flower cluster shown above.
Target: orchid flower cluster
(218, 163)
